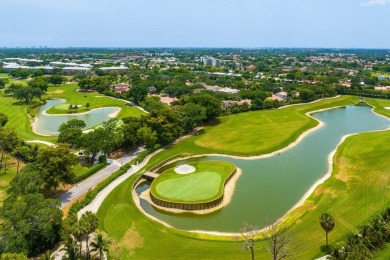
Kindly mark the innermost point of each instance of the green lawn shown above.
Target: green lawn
(356, 191)
(205, 184)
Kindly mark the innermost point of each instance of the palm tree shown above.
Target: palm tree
(90, 222)
(71, 250)
(48, 256)
(79, 233)
(87, 106)
(100, 244)
(327, 224)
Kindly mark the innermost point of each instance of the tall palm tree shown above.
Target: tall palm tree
(100, 244)
(79, 233)
(71, 250)
(327, 224)
(48, 256)
(90, 223)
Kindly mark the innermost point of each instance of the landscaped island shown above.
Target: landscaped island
(196, 186)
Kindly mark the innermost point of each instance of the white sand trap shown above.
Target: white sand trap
(184, 169)
(387, 108)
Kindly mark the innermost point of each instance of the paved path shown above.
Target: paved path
(81, 188)
(41, 142)
(101, 196)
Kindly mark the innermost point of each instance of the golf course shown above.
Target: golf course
(355, 191)
(21, 120)
(205, 184)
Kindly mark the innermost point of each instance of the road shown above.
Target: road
(79, 189)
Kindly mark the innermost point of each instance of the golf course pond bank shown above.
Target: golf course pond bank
(270, 187)
(48, 124)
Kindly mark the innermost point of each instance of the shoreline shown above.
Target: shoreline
(228, 192)
(307, 194)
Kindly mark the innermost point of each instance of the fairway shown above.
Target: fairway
(263, 131)
(205, 184)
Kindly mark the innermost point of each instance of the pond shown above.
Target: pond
(268, 188)
(48, 124)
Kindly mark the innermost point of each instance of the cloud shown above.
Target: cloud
(375, 2)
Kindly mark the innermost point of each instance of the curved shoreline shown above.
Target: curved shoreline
(291, 145)
(228, 192)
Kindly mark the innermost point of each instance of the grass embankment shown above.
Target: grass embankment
(203, 185)
(357, 190)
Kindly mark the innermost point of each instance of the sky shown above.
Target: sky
(196, 23)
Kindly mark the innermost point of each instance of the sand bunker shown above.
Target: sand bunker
(184, 169)
(387, 108)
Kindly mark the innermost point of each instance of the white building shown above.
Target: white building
(210, 61)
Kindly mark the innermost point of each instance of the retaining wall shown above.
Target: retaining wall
(192, 206)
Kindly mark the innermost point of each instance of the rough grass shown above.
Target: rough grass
(357, 190)
(205, 184)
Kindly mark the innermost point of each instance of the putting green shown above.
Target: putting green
(64, 106)
(205, 184)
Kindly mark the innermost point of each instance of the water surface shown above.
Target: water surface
(47, 124)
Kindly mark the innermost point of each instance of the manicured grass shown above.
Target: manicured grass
(203, 185)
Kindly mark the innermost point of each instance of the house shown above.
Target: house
(282, 95)
(383, 88)
(229, 103)
(120, 88)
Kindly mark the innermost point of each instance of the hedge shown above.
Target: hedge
(89, 172)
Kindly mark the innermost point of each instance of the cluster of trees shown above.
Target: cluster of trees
(161, 126)
(371, 238)
(11, 145)
(77, 232)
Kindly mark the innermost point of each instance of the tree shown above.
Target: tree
(31, 224)
(40, 83)
(95, 141)
(9, 140)
(90, 222)
(56, 165)
(70, 248)
(327, 224)
(3, 119)
(100, 244)
(248, 233)
(27, 183)
(87, 106)
(71, 132)
(48, 256)
(191, 115)
(147, 136)
(3, 82)
(212, 105)
(278, 242)
(138, 93)
(56, 79)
